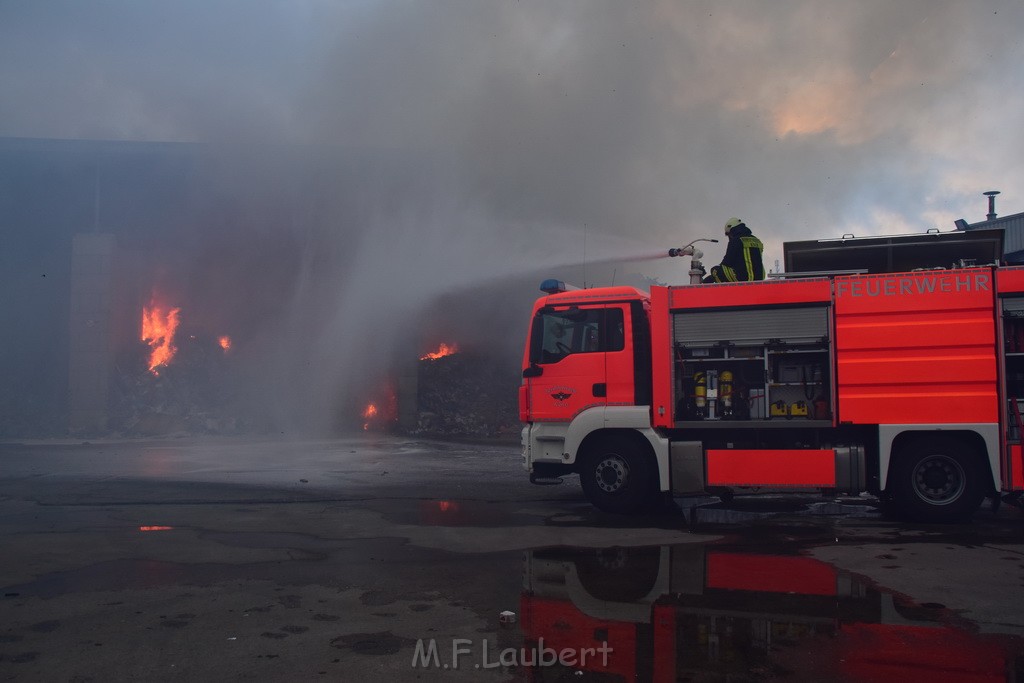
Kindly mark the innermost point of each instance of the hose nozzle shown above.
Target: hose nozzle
(688, 250)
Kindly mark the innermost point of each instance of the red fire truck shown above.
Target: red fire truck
(900, 378)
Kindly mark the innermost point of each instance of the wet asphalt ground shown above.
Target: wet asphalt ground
(383, 558)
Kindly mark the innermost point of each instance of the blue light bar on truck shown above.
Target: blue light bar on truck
(553, 286)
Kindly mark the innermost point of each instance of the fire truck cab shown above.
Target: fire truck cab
(901, 380)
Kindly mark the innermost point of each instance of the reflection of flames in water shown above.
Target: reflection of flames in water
(442, 351)
(382, 410)
(225, 342)
(451, 513)
(159, 323)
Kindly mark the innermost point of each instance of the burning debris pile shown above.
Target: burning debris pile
(466, 394)
(171, 383)
(188, 395)
(381, 412)
(179, 377)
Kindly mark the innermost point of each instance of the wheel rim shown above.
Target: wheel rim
(611, 560)
(612, 474)
(939, 480)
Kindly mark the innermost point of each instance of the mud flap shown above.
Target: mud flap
(686, 465)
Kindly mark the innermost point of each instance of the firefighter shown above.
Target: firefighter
(742, 261)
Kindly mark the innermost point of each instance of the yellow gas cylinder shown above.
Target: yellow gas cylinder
(725, 392)
(700, 393)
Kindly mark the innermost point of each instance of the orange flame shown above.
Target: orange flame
(442, 351)
(225, 342)
(369, 413)
(158, 327)
(381, 409)
(155, 528)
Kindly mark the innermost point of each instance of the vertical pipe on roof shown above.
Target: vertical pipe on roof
(991, 194)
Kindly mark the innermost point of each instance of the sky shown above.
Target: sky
(649, 119)
(538, 134)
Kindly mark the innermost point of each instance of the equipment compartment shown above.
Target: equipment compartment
(1013, 349)
(771, 371)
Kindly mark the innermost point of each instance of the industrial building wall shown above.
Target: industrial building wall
(1013, 234)
(54, 312)
(91, 329)
(1013, 230)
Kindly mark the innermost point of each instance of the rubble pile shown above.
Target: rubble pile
(466, 394)
(187, 396)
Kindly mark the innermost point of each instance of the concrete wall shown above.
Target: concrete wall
(91, 331)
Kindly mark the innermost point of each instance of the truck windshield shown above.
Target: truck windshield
(557, 334)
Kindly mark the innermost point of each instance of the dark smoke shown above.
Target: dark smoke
(360, 175)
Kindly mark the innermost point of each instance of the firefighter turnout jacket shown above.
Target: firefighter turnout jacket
(742, 262)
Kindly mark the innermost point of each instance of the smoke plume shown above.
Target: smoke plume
(349, 165)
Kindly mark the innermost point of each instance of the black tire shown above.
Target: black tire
(618, 475)
(938, 480)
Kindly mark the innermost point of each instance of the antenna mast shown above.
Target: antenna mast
(584, 256)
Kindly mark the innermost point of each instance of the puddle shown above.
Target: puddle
(698, 612)
(700, 511)
(744, 510)
(463, 513)
(272, 540)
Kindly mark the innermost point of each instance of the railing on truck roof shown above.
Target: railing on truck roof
(894, 253)
(817, 273)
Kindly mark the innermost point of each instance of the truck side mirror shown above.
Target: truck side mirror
(533, 371)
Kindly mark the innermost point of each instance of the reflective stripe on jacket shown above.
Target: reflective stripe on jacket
(742, 262)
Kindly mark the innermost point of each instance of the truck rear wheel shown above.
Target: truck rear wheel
(938, 480)
(617, 475)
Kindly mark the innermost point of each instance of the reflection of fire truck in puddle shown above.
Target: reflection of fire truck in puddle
(684, 612)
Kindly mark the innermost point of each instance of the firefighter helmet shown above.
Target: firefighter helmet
(730, 224)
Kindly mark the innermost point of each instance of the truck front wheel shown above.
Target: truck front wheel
(617, 475)
(938, 480)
